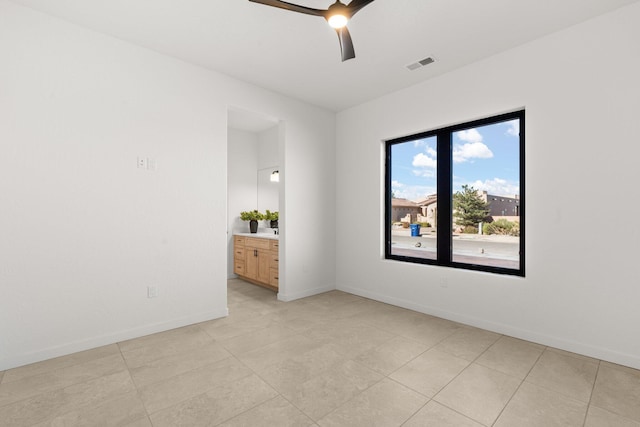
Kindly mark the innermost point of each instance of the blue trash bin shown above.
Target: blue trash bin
(415, 230)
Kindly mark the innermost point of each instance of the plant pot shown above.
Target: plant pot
(274, 223)
(253, 226)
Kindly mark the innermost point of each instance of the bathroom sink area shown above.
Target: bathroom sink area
(260, 234)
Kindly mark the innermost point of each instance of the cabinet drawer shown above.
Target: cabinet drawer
(257, 243)
(273, 277)
(238, 268)
(275, 245)
(239, 240)
(238, 252)
(274, 260)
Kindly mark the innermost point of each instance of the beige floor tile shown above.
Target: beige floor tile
(49, 405)
(468, 343)
(121, 411)
(250, 308)
(298, 368)
(434, 414)
(430, 331)
(60, 378)
(165, 345)
(570, 354)
(344, 311)
(217, 405)
(534, 406)
(324, 393)
(617, 390)
(158, 339)
(409, 324)
(327, 355)
(176, 389)
(391, 355)
(274, 353)
(380, 314)
(511, 356)
(142, 422)
(598, 417)
(256, 339)
(232, 329)
(349, 339)
(386, 403)
(574, 377)
(332, 299)
(275, 412)
(479, 393)
(242, 311)
(430, 372)
(177, 364)
(59, 363)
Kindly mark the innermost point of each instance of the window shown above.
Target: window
(455, 196)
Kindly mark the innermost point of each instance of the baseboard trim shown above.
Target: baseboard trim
(524, 334)
(286, 297)
(99, 341)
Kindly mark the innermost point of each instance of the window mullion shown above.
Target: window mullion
(445, 187)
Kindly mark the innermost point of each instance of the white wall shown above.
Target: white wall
(582, 98)
(268, 156)
(242, 178)
(84, 232)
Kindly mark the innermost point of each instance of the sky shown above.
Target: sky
(486, 158)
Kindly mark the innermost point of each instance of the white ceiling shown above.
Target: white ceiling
(299, 55)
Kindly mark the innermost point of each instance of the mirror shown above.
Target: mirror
(268, 191)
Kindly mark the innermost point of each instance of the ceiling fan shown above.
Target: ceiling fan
(338, 14)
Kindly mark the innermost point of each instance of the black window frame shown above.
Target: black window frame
(444, 176)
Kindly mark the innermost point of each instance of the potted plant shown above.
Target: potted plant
(253, 217)
(272, 217)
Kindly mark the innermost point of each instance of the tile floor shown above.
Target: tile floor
(330, 360)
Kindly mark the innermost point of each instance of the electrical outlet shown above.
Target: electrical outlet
(152, 292)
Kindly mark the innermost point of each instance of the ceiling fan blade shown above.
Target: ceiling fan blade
(346, 45)
(292, 7)
(356, 5)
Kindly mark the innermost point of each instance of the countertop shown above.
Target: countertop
(261, 235)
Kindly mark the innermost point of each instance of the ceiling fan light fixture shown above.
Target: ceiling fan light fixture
(338, 20)
(337, 15)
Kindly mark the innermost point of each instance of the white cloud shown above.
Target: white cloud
(425, 173)
(474, 150)
(414, 192)
(471, 135)
(423, 161)
(497, 186)
(513, 128)
(396, 184)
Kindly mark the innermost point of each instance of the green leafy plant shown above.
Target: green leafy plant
(502, 227)
(253, 215)
(470, 229)
(271, 216)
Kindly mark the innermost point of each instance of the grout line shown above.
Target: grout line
(595, 380)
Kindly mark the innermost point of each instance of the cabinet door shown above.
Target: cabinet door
(264, 263)
(251, 263)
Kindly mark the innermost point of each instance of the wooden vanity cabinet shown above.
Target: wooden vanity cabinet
(255, 260)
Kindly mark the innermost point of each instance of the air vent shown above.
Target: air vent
(421, 63)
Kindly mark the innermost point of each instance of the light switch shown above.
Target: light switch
(142, 163)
